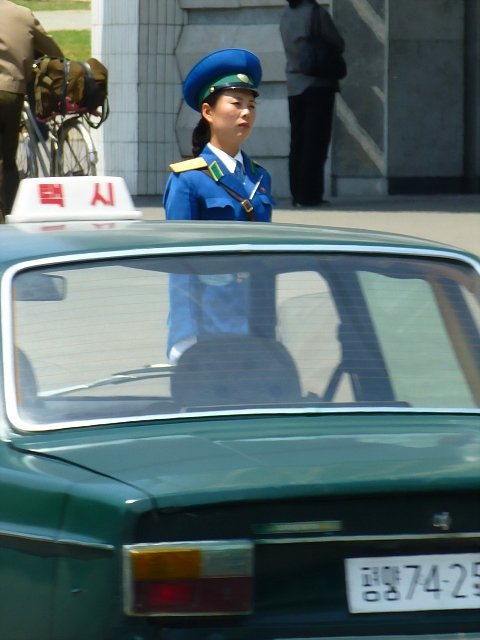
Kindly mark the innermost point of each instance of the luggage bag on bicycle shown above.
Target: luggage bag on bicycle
(65, 86)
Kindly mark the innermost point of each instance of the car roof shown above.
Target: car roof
(19, 242)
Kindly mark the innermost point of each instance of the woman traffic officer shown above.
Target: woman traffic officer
(221, 182)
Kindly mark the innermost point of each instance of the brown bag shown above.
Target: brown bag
(65, 86)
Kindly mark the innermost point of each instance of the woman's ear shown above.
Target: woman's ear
(206, 111)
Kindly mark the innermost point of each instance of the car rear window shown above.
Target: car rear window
(158, 337)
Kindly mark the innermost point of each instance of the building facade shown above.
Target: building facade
(407, 118)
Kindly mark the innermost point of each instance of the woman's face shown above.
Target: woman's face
(231, 119)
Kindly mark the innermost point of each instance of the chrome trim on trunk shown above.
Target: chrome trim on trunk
(371, 538)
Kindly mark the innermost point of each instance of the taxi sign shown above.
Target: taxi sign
(73, 198)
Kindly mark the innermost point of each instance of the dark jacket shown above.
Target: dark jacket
(295, 27)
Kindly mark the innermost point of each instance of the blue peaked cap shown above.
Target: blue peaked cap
(223, 69)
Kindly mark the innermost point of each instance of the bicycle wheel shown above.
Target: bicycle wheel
(26, 159)
(76, 154)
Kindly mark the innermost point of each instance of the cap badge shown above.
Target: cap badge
(243, 78)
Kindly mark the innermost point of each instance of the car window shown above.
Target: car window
(93, 340)
(314, 344)
(112, 319)
(419, 353)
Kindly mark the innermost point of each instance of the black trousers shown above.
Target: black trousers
(311, 116)
(10, 112)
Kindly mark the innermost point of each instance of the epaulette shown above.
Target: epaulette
(188, 165)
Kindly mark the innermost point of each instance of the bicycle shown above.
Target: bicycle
(59, 146)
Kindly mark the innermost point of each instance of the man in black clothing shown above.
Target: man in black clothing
(310, 100)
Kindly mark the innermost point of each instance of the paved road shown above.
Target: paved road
(453, 219)
(60, 20)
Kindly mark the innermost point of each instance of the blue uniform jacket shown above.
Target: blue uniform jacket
(215, 303)
(192, 195)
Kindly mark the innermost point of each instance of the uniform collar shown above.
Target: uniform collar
(227, 160)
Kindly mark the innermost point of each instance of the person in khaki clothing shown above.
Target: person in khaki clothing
(22, 38)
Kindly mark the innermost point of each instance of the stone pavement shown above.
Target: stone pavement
(451, 219)
(63, 20)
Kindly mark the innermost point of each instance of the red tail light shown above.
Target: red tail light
(189, 578)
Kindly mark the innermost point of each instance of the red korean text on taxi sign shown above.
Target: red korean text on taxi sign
(87, 198)
(51, 194)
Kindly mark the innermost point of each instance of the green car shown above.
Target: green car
(232, 431)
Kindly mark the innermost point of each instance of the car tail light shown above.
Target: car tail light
(189, 578)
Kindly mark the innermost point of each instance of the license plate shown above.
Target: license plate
(413, 583)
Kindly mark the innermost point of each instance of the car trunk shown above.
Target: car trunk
(300, 548)
(308, 504)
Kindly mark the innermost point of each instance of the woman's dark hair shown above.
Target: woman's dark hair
(201, 133)
(200, 137)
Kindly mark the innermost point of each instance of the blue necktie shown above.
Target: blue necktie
(239, 171)
(241, 174)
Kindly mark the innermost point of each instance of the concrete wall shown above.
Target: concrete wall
(359, 148)
(136, 40)
(401, 112)
(426, 95)
(407, 118)
(115, 41)
(472, 97)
